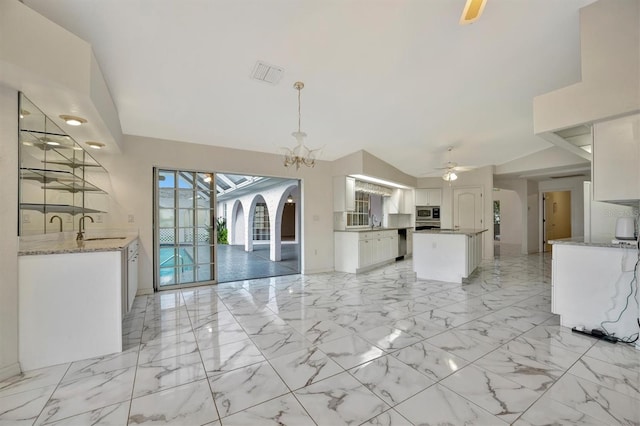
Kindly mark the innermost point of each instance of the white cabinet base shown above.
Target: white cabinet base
(590, 285)
(69, 307)
(446, 257)
(357, 252)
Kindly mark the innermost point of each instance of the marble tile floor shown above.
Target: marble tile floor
(381, 348)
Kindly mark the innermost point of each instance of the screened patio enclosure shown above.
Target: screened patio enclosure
(214, 227)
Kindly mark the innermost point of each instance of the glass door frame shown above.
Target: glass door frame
(156, 230)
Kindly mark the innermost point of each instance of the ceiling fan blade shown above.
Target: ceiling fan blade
(472, 11)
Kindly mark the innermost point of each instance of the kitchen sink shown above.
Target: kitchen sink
(104, 238)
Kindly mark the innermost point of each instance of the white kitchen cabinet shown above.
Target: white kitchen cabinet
(360, 251)
(408, 202)
(130, 277)
(428, 196)
(69, 307)
(344, 194)
(616, 160)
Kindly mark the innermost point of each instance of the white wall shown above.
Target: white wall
(510, 216)
(600, 218)
(520, 187)
(8, 233)
(610, 53)
(132, 192)
(533, 218)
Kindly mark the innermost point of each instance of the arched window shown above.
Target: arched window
(261, 222)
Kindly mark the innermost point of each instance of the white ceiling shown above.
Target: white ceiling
(400, 79)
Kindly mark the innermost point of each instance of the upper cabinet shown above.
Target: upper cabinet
(428, 196)
(616, 160)
(57, 177)
(344, 194)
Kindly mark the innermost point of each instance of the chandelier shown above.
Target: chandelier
(300, 155)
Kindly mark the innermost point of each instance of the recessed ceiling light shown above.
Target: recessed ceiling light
(95, 145)
(72, 120)
(49, 141)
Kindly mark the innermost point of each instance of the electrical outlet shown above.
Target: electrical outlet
(98, 218)
(131, 218)
(26, 218)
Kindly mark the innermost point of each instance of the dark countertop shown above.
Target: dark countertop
(461, 231)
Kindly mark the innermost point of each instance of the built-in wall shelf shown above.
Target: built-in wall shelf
(75, 164)
(75, 189)
(57, 175)
(64, 180)
(58, 208)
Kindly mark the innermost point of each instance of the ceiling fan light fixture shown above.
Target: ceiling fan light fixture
(472, 11)
(450, 176)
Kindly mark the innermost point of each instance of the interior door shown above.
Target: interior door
(468, 208)
(557, 216)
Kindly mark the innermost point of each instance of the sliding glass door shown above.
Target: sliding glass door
(184, 228)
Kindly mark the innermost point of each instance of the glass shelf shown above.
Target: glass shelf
(58, 208)
(66, 181)
(57, 176)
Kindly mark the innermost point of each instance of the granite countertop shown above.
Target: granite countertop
(461, 231)
(66, 243)
(370, 229)
(581, 241)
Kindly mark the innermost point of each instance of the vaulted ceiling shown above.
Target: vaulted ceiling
(400, 79)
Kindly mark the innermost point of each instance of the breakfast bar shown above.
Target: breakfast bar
(592, 284)
(446, 254)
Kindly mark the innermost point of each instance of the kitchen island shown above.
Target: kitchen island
(446, 254)
(70, 297)
(592, 282)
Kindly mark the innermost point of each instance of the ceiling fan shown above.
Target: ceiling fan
(472, 11)
(451, 168)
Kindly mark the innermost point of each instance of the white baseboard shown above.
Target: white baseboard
(9, 371)
(144, 291)
(317, 271)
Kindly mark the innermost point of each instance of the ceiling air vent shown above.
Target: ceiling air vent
(267, 73)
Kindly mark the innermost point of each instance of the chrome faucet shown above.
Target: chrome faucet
(59, 218)
(80, 236)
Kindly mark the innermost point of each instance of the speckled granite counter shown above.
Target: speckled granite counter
(62, 244)
(581, 241)
(461, 231)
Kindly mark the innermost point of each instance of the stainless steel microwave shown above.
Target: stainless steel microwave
(427, 213)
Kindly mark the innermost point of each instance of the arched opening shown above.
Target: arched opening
(289, 220)
(237, 224)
